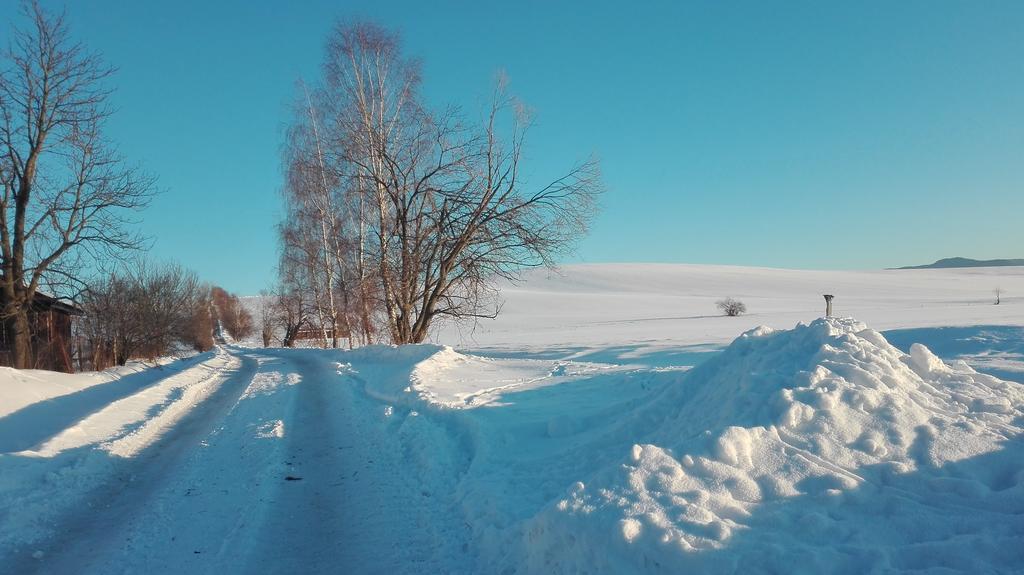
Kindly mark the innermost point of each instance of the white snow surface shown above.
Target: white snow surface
(573, 434)
(817, 449)
(617, 312)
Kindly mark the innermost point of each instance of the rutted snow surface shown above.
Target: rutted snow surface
(290, 468)
(816, 449)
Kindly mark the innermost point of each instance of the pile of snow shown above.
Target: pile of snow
(817, 449)
(434, 376)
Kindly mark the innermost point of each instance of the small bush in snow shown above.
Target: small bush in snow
(731, 307)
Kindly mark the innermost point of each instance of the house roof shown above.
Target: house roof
(43, 300)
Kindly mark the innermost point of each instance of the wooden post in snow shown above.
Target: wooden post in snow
(828, 305)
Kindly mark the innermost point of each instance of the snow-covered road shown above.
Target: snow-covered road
(288, 466)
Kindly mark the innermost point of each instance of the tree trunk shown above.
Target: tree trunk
(21, 343)
(289, 336)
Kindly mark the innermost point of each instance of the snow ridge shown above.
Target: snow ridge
(821, 448)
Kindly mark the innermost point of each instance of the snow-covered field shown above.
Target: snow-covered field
(658, 311)
(604, 423)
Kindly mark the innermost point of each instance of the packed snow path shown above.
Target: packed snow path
(280, 470)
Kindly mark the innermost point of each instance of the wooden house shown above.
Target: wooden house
(50, 322)
(316, 333)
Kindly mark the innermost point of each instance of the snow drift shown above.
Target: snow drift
(817, 449)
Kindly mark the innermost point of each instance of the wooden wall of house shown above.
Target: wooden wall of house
(5, 344)
(51, 340)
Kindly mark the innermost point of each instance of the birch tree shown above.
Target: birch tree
(313, 231)
(434, 209)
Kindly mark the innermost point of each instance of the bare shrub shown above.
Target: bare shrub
(144, 312)
(731, 307)
(200, 326)
(232, 316)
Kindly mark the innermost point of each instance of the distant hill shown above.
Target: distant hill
(965, 263)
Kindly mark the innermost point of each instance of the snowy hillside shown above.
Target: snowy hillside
(608, 304)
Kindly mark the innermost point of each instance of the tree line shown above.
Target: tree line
(67, 197)
(68, 206)
(398, 215)
(146, 311)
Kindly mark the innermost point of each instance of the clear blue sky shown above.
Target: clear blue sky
(809, 135)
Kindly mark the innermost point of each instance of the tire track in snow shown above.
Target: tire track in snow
(301, 525)
(211, 496)
(88, 534)
(359, 506)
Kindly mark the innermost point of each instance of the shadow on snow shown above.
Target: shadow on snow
(71, 517)
(997, 350)
(649, 354)
(33, 424)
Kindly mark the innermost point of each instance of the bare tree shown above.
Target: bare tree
(314, 225)
(292, 314)
(267, 323)
(66, 193)
(144, 311)
(433, 212)
(486, 223)
(290, 307)
(731, 307)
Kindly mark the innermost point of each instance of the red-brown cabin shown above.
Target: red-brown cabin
(50, 321)
(315, 333)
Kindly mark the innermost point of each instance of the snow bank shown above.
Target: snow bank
(385, 371)
(70, 434)
(22, 387)
(438, 377)
(817, 449)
